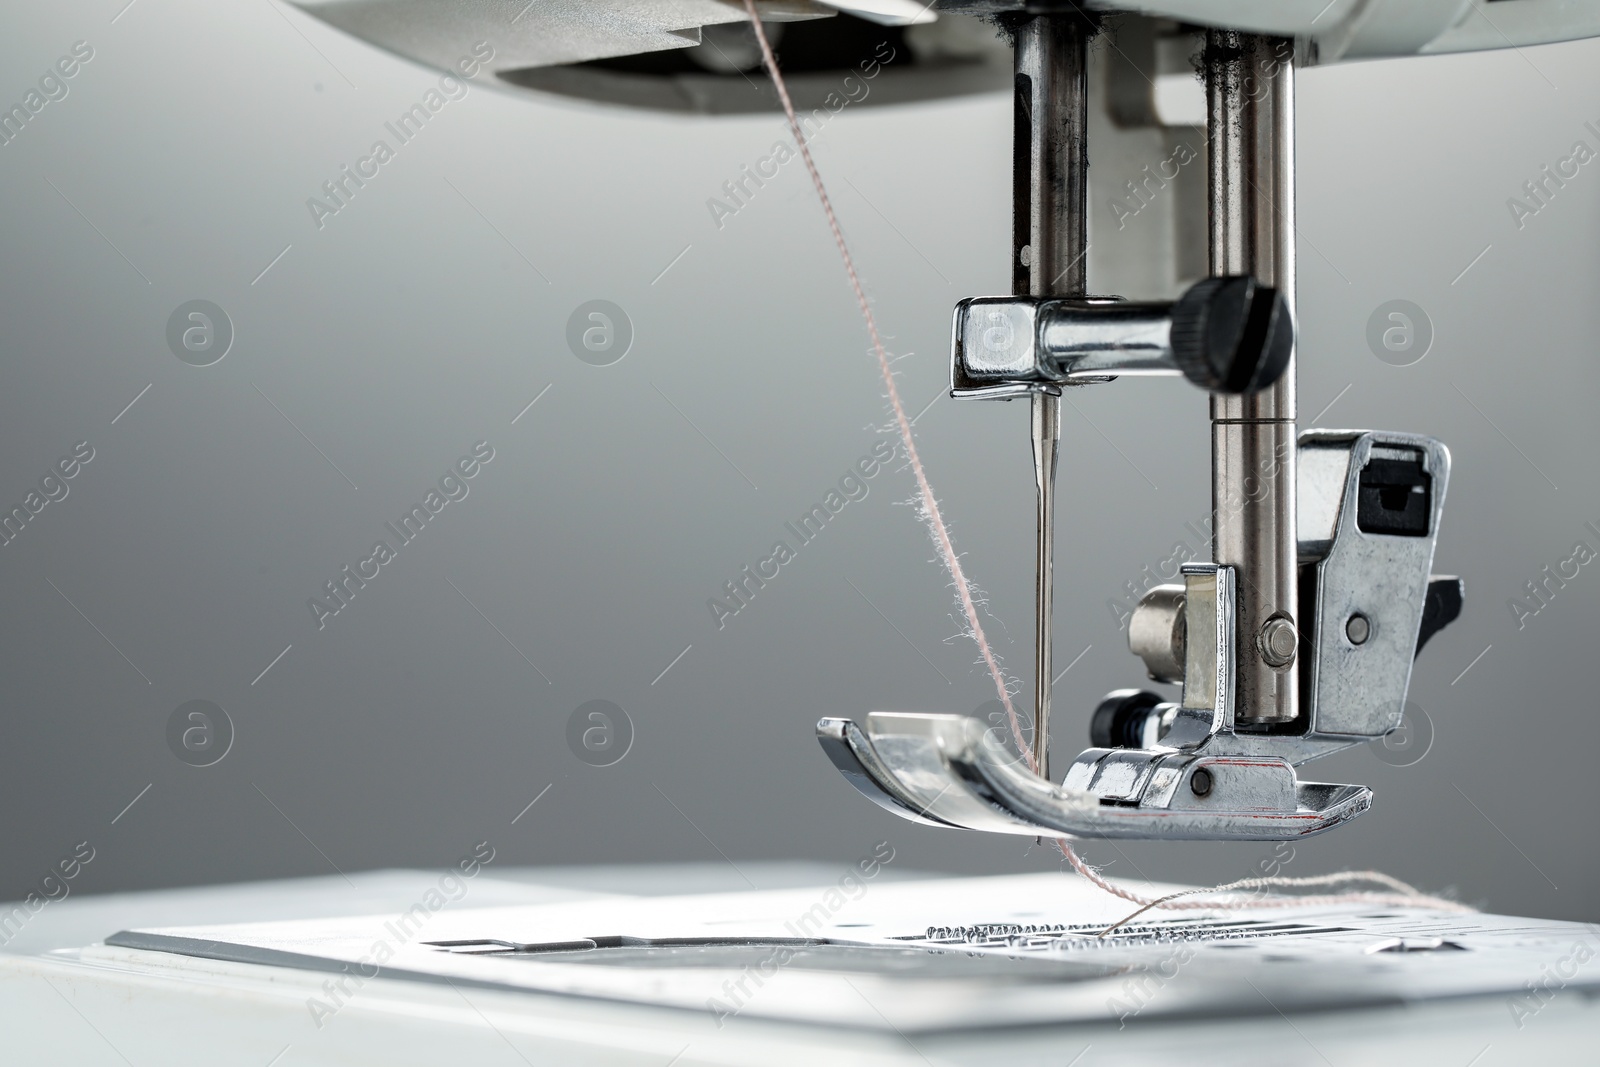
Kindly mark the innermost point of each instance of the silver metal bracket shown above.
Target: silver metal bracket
(1226, 334)
(1004, 347)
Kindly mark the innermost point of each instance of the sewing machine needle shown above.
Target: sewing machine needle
(1046, 443)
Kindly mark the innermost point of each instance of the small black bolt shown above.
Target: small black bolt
(1200, 782)
(1119, 720)
(1358, 629)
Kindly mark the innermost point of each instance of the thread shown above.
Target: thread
(928, 511)
(928, 507)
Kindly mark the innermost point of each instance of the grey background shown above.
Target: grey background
(415, 324)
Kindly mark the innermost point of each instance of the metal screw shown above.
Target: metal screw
(1278, 641)
(1358, 629)
(1200, 782)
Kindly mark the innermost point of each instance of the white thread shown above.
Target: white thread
(928, 510)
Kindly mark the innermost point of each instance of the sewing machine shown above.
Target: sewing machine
(1293, 642)
(1296, 639)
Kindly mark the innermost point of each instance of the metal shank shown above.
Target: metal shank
(1250, 85)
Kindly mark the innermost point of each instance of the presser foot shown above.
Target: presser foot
(949, 770)
(1202, 767)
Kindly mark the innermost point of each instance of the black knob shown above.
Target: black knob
(1119, 720)
(1232, 335)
